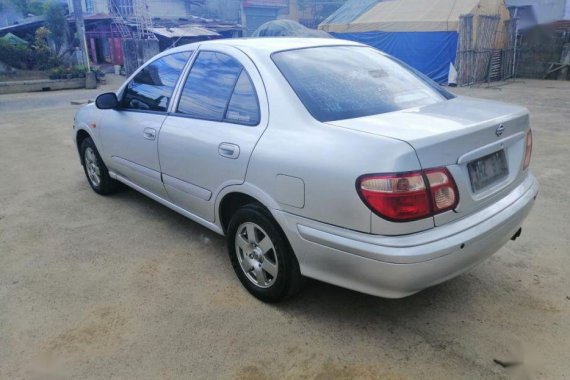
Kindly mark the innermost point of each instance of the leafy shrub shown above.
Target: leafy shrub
(41, 57)
(15, 56)
(38, 56)
(77, 71)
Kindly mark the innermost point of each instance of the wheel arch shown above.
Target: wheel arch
(232, 198)
(80, 136)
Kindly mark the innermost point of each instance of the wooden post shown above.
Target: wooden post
(564, 59)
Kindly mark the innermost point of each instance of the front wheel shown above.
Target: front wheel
(95, 169)
(261, 256)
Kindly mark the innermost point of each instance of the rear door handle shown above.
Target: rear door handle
(149, 133)
(228, 150)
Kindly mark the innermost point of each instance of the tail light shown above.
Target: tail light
(403, 197)
(443, 191)
(528, 149)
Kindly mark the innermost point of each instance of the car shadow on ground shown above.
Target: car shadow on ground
(317, 297)
(336, 302)
(176, 222)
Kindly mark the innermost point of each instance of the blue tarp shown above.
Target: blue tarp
(428, 52)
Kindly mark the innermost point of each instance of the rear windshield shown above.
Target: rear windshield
(345, 82)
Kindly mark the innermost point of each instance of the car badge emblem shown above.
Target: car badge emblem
(500, 130)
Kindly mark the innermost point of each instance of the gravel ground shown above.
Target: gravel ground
(121, 287)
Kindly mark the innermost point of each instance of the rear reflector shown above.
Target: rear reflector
(528, 149)
(403, 197)
(443, 190)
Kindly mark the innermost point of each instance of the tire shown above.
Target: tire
(95, 169)
(268, 269)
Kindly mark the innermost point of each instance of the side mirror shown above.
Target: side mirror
(107, 101)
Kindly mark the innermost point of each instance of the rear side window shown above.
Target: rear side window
(344, 82)
(219, 89)
(151, 89)
(243, 107)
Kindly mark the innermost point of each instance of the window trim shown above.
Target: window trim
(182, 83)
(125, 87)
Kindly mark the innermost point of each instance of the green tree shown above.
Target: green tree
(41, 56)
(56, 23)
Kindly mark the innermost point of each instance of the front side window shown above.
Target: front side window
(219, 89)
(151, 89)
(344, 82)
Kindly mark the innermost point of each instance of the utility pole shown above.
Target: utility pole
(80, 26)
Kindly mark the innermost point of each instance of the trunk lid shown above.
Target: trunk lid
(453, 134)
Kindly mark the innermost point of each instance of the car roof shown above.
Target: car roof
(268, 45)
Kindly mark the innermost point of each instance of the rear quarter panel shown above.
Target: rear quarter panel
(328, 160)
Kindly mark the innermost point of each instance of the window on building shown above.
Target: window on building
(122, 7)
(151, 89)
(89, 6)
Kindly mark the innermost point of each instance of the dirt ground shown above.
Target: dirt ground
(122, 287)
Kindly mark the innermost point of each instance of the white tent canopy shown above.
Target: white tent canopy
(416, 15)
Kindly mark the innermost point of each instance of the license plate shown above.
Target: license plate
(488, 170)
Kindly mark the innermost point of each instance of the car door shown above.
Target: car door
(130, 133)
(206, 141)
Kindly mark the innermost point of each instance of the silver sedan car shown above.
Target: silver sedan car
(316, 158)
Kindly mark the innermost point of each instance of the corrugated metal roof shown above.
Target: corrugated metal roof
(184, 31)
(24, 24)
(14, 40)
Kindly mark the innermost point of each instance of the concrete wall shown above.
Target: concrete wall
(9, 15)
(546, 11)
(40, 85)
(99, 6)
(168, 8)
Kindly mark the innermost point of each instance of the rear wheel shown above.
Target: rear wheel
(95, 170)
(261, 256)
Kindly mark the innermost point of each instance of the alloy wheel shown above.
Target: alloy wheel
(256, 255)
(92, 167)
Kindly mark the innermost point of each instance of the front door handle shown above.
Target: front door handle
(228, 150)
(149, 133)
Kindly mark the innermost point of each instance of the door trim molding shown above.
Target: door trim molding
(187, 187)
(150, 173)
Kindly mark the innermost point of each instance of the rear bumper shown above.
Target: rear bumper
(395, 267)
